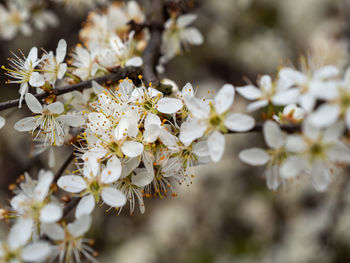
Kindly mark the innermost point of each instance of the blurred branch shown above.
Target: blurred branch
(64, 166)
(152, 53)
(327, 235)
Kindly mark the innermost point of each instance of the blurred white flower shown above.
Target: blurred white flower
(32, 201)
(69, 240)
(318, 151)
(17, 249)
(177, 32)
(274, 158)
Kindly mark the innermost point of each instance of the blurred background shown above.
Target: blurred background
(227, 214)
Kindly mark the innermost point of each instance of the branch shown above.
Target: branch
(152, 53)
(117, 74)
(64, 166)
(327, 235)
(71, 205)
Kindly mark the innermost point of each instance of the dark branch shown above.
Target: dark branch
(152, 53)
(327, 235)
(71, 205)
(117, 74)
(64, 167)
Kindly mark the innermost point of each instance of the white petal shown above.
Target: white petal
(273, 135)
(151, 133)
(85, 206)
(254, 156)
(112, 172)
(152, 119)
(200, 149)
(72, 120)
(142, 179)
(325, 115)
(168, 139)
(191, 130)
(36, 252)
(56, 107)
(286, 97)
(129, 165)
(288, 77)
(36, 80)
(192, 35)
(94, 153)
(187, 90)
(61, 50)
(295, 144)
(334, 132)
(311, 131)
(185, 20)
(307, 101)
(53, 231)
(26, 124)
(51, 213)
(22, 90)
(339, 153)
(72, 183)
(257, 105)
(224, 98)
(272, 175)
(134, 62)
(33, 103)
(61, 70)
(249, 92)
(169, 105)
(2, 122)
(292, 166)
(20, 233)
(320, 175)
(113, 197)
(197, 107)
(33, 55)
(98, 121)
(239, 122)
(326, 73)
(132, 149)
(121, 131)
(216, 144)
(80, 226)
(43, 186)
(265, 83)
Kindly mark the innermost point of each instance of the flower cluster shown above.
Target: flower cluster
(319, 149)
(138, 142)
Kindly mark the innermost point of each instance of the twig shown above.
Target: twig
(71, 205)
(120, 73)
(327, 235)
(152, 52)
(64, 167)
